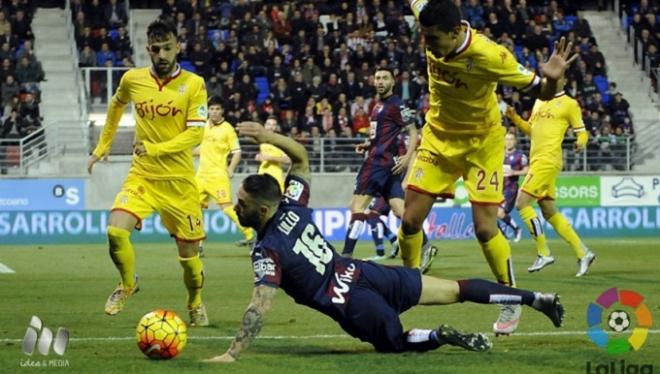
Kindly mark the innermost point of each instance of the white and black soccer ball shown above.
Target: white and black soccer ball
(618, 321)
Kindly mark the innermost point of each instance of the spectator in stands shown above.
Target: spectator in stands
(104, 55)
(87, 57)
(13, 127)
(29, 112)
(588, 88)
(28, 74)
(595, 60)
(21, 26)
(9, 90)
(536, 40)
(6, 69)
(619, 109)
(95, 14)
(115, 13)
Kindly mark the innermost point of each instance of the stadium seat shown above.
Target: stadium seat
(262, 86)
(187, 65)
(13, 155)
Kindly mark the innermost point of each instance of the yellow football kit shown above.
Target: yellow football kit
(547, 126)
(170, 115)
(213, 180)
(275, 169)
(463, 135)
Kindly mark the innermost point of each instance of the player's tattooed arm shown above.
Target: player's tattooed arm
(253, 319)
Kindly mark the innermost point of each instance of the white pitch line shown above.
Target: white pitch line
(309, 337)
(4, 269)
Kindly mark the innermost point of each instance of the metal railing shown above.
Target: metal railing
(331, 155)
(48, 142)
(99, 84)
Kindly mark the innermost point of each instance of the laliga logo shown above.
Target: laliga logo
(36, 337)
(619, 320)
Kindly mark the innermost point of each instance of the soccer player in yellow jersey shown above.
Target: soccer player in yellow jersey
(214, 174)
(547, 125)
(463, 135)
(170, 112)
(272, 158)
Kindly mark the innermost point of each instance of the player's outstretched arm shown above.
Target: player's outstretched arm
(293, 149)
(520, 123)
(555, 67)
(115, 111)
(253, 321)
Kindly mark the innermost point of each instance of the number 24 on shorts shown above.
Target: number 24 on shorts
(493, 180)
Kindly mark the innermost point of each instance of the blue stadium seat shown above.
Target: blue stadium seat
(187, 65)
(262, 86)
(603, 85)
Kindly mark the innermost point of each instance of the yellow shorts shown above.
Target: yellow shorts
(541, 181)
(441, 160)
(217, 188)
(177, 201)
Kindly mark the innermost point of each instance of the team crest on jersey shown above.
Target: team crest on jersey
(523, 70)
(182, 89)
(294, 190)
(419, 173)
(202, 111)
(469, 64)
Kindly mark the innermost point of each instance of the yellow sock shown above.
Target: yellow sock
(122, 254)
(535, 228)
(231, 213)
(193, 277)
(498, 255)
(565, 230)
(411, 248)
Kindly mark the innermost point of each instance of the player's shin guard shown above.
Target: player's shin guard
(411, 248)
(535, 228)
(354, 231)
(193, 277)
(498, 255)
(566, 231)
(376, 226)
(231, 213)
(122, 254)
(485, 292)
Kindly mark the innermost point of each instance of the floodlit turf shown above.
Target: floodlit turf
(67, 286)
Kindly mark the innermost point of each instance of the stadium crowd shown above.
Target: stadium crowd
(643, 21)
(20, 74)
(310, 64)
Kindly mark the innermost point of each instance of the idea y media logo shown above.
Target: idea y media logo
(620, 312)
(40, 337)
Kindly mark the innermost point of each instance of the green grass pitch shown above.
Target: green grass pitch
(67, 286)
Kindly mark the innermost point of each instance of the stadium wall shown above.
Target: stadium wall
(34, 211)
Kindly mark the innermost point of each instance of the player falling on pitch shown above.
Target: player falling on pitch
(547, 126)
(463, 135)
(214, 174)
(515, 165)
(272, 158)
(170, 111)
(364, 297)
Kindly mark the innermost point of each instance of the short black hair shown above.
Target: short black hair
(263, 187)
(215, 100)
(441, 13)
(161, 28)
(387, 69)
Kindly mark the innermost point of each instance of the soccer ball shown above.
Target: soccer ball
(161, 334)
(618, 321)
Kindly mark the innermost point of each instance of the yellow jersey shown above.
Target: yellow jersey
(218, 143)
(163, 111)
(549, 121)
(269, 167)
(462, 84)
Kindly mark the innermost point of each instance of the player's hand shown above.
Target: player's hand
(361, 148)
(225, 358)
(401, 164)
(578, 147)
(139, 149)
(259, 157)
(561, 57)
(90, 163)
(253, 130)
(510, 112)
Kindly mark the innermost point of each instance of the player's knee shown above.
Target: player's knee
(411, 225)
(548, 211)
(521, 204)
(484, 233)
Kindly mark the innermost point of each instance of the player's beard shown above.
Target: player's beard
(162, 68)
(249, 219)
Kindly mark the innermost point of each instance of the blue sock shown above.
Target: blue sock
(376, 226)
